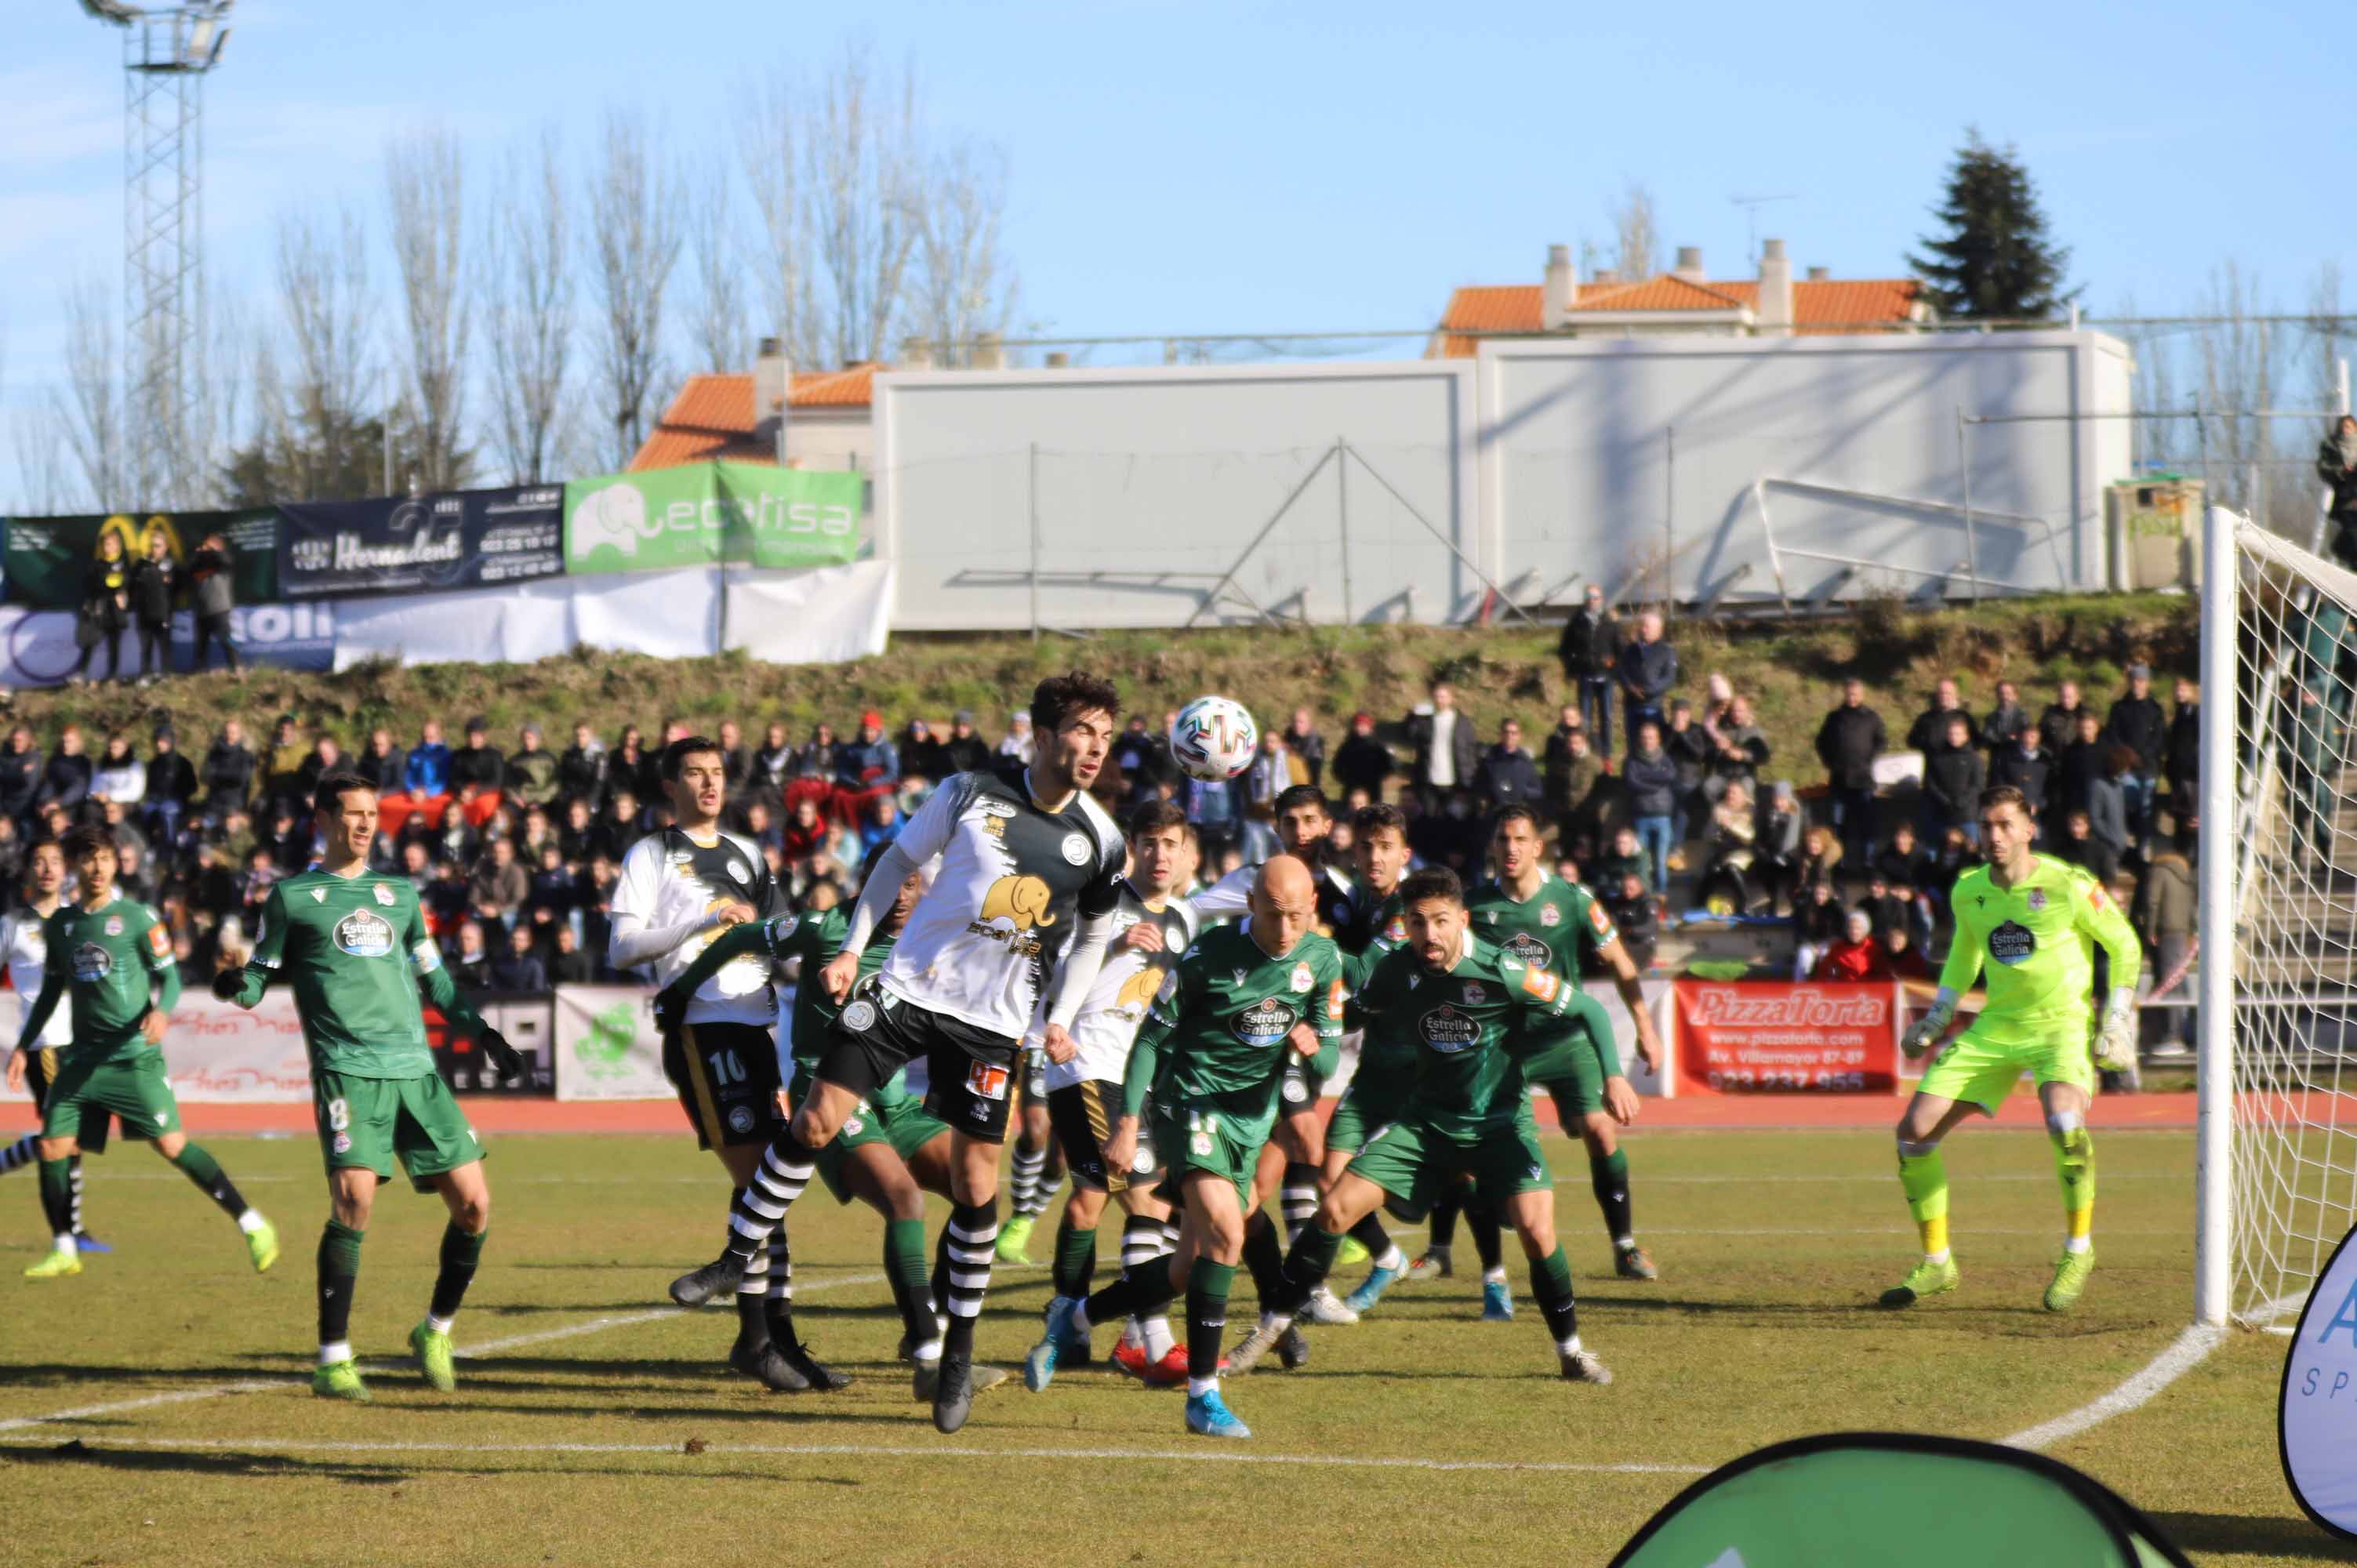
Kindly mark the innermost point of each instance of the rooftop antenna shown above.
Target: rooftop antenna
(168, 50)
(1752, 206)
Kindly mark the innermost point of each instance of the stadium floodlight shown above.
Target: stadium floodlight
(113, 11)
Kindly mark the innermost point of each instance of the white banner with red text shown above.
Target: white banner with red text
(221, 1054)
(1752, 1037)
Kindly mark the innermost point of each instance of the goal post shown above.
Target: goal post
(2275, 1169)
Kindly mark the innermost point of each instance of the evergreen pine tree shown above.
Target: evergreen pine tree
(1995, 260)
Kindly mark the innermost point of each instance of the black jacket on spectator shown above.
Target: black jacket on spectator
(2023, 771)
(1588, 643)
(969, 755)
(382, 773)
(771, 769)
(2058, 727)
(1134, 752)
(518, 973)
(1506, 777)
(1847, 743)
(1362, 762)
(1464, 747)
(1648, 670)
(2092, 856)
(2336, 464)
(1310, 751)
(152, 582)
(170, 777)
(215, 592)
(1929, 733)
(2082, 764)
(1909, 868)
(66, 780)
(581, 774)
(1638, 924)
(1651, 780)
(482, 765)
(2180, 760)
(1954, 778)
(576, 968)
(2140, 725)
(20, 778)
(1690, 750)
(1751, 741)
(227, 774)
(2004, 725)
(925, 759)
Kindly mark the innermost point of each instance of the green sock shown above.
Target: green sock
(57, 1196)
(905, 1268)
(1551, 1283)
(340, 1272)
(1607, 1177)
(461, 1251)
(1924, 1179)
(204, 1170)
(1208, 1284)
(2074, 1166)
(1076, 1258)
(1306, 1265)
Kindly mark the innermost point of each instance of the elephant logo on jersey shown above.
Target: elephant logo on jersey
(1139, 989)
(1020, 901)
(91, 963)
(364, 934)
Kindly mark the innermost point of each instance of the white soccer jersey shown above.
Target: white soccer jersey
(1015, 880)
(669, 879)
(1231, 896)
(1124, 988)
(24, 944)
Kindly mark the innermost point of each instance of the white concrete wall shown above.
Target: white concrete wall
(1605, 458)
(1151, 482)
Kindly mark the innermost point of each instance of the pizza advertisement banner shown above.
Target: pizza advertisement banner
(1773, 1036)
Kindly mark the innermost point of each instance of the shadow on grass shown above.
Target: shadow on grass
(250, 1466)
(2245, 1535)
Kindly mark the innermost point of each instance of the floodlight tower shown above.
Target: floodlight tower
(167, 51)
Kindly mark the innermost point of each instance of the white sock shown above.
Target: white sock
(1568, 1347)
(1939, 1257)
(1197, 1387)
(64, 1243)
(439, 1324)
(250, 1222)
(341, 1350)
(1276, 1322)
(1496, 1276)
(1159, 1342)
(2079, 1244)
(931, 1350)
(1625, 1243)
(1393, 1258)
(1132, 1337)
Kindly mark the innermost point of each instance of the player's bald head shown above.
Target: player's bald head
(1283, 904)
(1285, 879)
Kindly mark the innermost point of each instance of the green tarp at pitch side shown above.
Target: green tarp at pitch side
(1869, 1499)
(702, 512)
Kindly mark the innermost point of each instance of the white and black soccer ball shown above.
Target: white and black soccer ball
(1214, 738)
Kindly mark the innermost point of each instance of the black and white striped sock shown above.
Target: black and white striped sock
(1024, 1189)
(1297, 1198)
(973, 1234)
(760, 1205)
(74, 1175)
(752, 1299)
(782, 1272)
(19, 1155)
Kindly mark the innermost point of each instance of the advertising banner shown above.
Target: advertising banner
(2315, 1426)
(37, 647)
(1751, 1037)
(218, 1053)
(420, 544)
(47, 559)
(702, 512)
(607, 1046)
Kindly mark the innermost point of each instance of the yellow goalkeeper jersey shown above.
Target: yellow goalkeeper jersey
(2034, 942)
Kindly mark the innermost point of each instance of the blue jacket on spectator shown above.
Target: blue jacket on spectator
(1651, 780)
(861, 765)
(426, 770)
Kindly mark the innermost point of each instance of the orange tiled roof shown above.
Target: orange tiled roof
(712, 417)
(1819, 305)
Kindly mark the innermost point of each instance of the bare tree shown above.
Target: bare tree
(637, 210)
(529, 296)
(1639, 256)
(769, 147)
(964, 283)
(2329, 334)
(424, 178)
(90, 412)
(326, 380)
(719, 257)
(861, 176)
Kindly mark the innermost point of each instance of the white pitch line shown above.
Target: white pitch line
(2184, 1353)
(83, 1413)
(879, 1450)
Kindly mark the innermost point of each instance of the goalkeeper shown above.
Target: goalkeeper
(2030, 922)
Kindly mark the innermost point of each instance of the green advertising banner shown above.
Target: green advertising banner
(702, 513)
(47, 559)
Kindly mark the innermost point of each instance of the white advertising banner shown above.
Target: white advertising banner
(221, 1054)
(828, 614)
(514, 625)
(607, 1046)
(2317, 1420)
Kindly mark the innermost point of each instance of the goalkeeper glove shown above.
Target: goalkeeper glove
(2116, 1044)
(228, 981)
(504, 1057)
(1925, 1032)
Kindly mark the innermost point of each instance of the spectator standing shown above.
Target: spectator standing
(2081, 764)
(227, 772)
(2139, 723)
(1508, 775)
(1141, 757)
(528, 777)
(378, 765)
(1953, 777)
(1929, 733)
(1624, 856)
(282, 777)
(1647, 668)
(965, 751)
(2006, 721)
(1211, 807)
(517, 968)
(499, 885)
(1848, 741)
(2024, 764)
(2181, 756)
(2107, 798)
(171, 785)
(2336, 464)
(1447, 750)
(2059, 725)
(1581, 794)
(1590, 649)
(570, 964)
(2164, 914)
(1017, 743)
(1652, 778)
(21, 765)
(581, 772)
(154, 582)
(105, 603)
(1689, 747)
(1362, 762)
(214, 589)
(2081, 848)
(65, 782)
(480, 764)
(1739, 746)
(1273, 771)
(1306, 747)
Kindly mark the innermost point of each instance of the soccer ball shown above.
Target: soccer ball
(1214, 738)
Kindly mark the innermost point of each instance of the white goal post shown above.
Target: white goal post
(2276, 1174)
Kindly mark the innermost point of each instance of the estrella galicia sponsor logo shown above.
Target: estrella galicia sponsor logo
(2012, 943)
(1449, 1029)
(1266, 1023)
(364, 933)
(91, 963)
(1529, 949)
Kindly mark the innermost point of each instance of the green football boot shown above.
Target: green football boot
(261, 1245)
(340, 1380)
(2070, 1272)
(1011, 1239)
(56, 1266)
(1926, 1278)
(432, 1348)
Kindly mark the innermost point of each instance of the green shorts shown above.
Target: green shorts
(1413, 1164)
(40, 1071)
(1983, 1072)
(892, 1116)
(89, 1087)
(1361, 1110)
(367, 1122)
(1572, 1076)
(1193, 1137)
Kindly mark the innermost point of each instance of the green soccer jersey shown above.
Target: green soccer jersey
(814, 940)
(107, 960)
(1217, 1033)
(2035, 943)
(1466, 1031)
(1373, 927)
(1555, 929)
(355, 949)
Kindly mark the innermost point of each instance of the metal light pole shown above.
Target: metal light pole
(166, 52)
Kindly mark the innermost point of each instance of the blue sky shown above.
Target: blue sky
(1213, 167)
